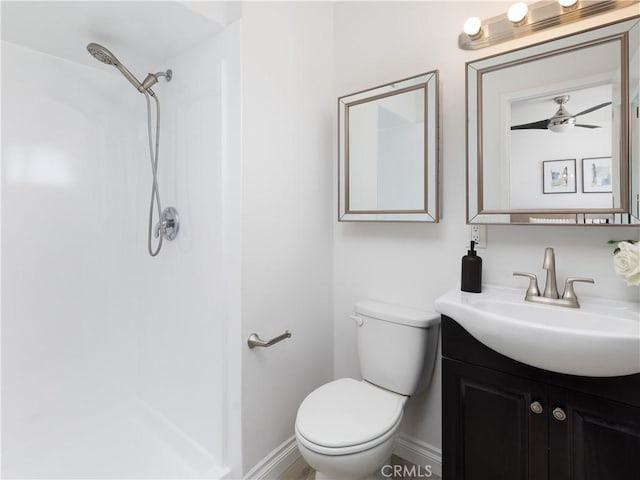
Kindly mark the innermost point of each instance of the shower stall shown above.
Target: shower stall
(117, 364)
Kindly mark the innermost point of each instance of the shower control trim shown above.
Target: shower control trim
(170, 225)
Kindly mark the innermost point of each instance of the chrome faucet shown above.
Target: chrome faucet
(550, 295)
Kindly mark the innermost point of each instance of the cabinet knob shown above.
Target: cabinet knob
(536, 407)
(559, 414)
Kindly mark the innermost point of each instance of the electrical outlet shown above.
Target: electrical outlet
(479, 235)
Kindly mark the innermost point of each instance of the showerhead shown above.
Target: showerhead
(105, 56)
(102, 54)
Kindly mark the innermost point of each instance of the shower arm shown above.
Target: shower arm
(168, 74)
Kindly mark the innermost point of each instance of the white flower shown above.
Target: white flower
(626, 262)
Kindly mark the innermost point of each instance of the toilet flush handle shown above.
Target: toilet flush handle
(359, 320)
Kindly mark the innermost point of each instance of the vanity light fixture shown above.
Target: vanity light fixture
(473, 27)
(517, 13)
(522, 19)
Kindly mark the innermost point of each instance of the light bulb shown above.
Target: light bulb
(472, 27)
(567, 3)
(560, 128)
(517, 12)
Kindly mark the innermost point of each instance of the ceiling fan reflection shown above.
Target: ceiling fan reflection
(562, 120)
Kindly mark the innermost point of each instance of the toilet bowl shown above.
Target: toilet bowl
(346, 429)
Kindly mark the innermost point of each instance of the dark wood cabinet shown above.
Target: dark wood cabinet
(489, 430)
(503, 420)
(599, 440)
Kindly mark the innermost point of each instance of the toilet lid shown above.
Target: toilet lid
(348, 412)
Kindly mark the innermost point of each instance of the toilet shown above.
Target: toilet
(346, 429)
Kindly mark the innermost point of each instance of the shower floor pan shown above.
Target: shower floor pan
(125, 443)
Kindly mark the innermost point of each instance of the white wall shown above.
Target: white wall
(62, 311)
(186, 304)
(115, 364)
(288, 112)
(376, 43)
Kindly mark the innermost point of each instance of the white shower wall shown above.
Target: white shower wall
(115, 364)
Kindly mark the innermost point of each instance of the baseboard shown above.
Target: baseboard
(282, 457)
(275, 463)
(419, 453)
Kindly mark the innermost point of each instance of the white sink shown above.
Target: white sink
(599, 339)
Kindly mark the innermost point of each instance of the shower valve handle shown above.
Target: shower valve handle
(170, 224)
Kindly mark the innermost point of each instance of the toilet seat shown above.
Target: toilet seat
(348, 416)
(348, 450)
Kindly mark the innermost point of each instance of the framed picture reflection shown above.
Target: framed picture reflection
(596, 175)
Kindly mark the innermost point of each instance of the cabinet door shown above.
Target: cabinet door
(489, 429)
(598, 439)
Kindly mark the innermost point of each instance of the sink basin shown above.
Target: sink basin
(600, 339)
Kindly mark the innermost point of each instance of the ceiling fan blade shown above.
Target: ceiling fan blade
(540, 125)
(587, 126)
(592, 109)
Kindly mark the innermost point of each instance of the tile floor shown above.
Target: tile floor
(301, 471)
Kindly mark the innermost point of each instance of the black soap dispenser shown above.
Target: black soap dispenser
(471, 271)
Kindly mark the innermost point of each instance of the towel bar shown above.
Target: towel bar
(255, 341)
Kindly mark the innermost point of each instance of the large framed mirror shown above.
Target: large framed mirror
(388, 152)
(553, 131)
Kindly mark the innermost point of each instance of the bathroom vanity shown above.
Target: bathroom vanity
(505, 420)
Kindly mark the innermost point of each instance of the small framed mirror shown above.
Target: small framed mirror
(552, 131)
(388, 158)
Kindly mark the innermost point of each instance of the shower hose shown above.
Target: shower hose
(155, 194)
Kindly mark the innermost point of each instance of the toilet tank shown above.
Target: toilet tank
(397, 345)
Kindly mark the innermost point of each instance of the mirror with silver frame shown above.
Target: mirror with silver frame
(553, 131)
(388, 158)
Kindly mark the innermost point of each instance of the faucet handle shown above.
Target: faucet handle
(569, 292)
(532, 290)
